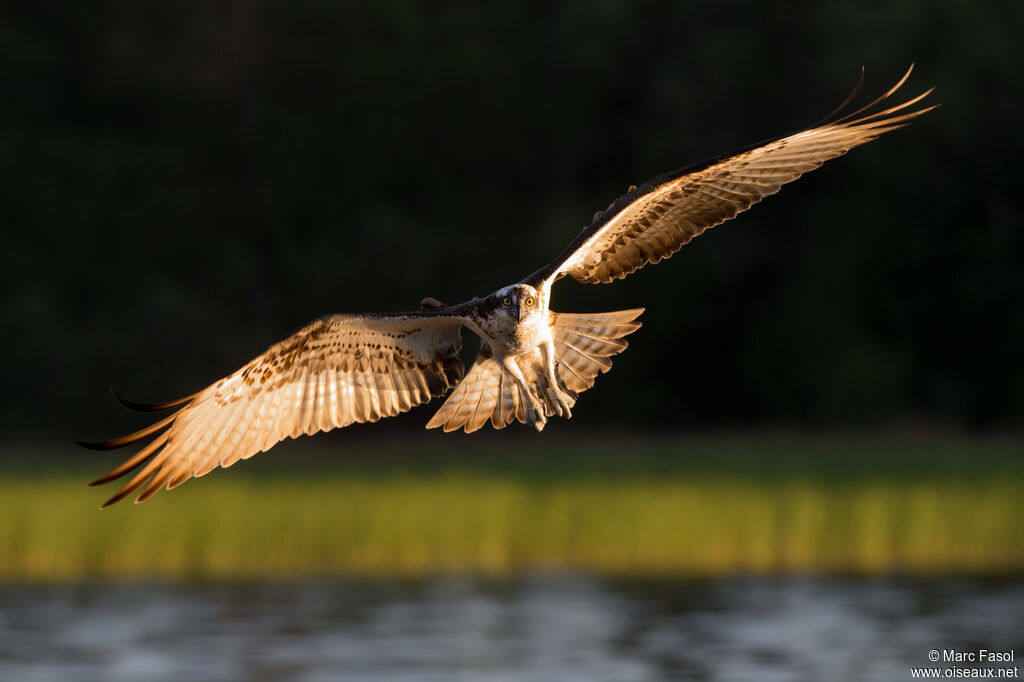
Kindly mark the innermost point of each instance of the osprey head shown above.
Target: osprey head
(519, 301)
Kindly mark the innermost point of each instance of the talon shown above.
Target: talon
(537, 419)
(565, 405)
(561, 402)
(535, 411)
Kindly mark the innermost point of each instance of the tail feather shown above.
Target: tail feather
(487, 392)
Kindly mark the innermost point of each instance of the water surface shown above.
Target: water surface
(534, 628)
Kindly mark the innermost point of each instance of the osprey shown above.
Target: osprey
(533, 362)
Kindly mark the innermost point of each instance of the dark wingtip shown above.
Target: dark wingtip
(849, 98)
(106, 478)
(115, 499)
(101, 445)
(147, 407)
(114, 443)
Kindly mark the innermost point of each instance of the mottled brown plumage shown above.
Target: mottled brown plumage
(533, 362)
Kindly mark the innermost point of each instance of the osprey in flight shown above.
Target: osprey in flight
(533, 362)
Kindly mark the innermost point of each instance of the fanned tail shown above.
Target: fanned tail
(487, 393)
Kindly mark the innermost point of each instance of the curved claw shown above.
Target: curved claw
(565, 404)
(535, 413)
(536, 408)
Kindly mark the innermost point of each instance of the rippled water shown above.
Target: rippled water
(561, 627)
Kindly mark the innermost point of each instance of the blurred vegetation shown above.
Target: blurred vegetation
(612, 505)
(180, 185)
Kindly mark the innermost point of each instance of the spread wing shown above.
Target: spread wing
(652, 222)
(335, 371)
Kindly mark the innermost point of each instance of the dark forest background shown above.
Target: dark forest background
(181, 184)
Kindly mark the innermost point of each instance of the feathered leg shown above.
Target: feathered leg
(559, 397)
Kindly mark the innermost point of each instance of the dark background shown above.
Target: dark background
(181, 184)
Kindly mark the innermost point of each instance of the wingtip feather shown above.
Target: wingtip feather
(135, 437)
(94, 445)
(115, 499)
(147, 407)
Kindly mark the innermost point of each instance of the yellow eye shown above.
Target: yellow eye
(507, 300)
(529, 301)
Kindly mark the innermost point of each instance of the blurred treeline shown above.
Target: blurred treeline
(183, 183)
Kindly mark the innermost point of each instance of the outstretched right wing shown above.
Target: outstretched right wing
(652, 222)
(335, 371)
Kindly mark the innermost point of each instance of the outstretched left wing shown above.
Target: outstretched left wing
(335, 371)
(654, 221)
